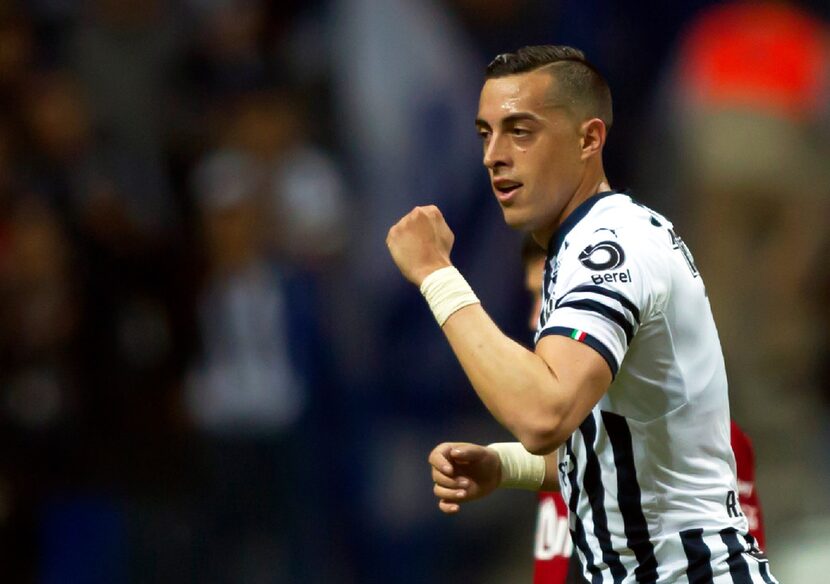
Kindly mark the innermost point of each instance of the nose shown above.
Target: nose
(496, 152)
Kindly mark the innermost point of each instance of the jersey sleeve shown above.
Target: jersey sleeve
(604, 289)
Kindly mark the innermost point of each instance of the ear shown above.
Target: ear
(594, 133)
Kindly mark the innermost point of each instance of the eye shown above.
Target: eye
(520, 132)
(483, 134)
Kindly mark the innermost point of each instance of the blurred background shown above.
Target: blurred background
(210, 368)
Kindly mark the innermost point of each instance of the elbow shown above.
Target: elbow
(542, 437)
(540, 444)
(542, 422)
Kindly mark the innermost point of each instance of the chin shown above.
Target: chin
(516, 220)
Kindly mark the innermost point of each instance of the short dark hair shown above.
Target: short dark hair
(579, 81)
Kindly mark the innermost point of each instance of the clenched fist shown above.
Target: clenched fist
(420, 243)
(463, 472)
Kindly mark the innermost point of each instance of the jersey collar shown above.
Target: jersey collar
(571, 220)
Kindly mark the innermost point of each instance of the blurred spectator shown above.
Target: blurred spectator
(43, 403)
(749, 111)
(125, 273)
(303, 189)
(126, 54)
(228, 55)
(40, 318)
(17, 50)
(98, 304)
(249, 383)
(271, 211)
(61, 164)
(236, 50)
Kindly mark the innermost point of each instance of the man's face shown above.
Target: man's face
(532, 150)
(534, 277)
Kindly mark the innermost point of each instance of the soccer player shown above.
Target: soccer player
(554, 563)
(624, 400)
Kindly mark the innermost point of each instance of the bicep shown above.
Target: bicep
(583, 376)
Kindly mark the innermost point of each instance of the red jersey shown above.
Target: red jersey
(747, 493)
(553, 546)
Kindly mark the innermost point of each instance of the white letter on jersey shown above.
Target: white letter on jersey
(552, 535)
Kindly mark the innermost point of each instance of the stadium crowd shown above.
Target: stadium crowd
(208, 366)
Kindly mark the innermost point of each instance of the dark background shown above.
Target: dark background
(210, 369)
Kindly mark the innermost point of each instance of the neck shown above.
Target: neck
(585, 191)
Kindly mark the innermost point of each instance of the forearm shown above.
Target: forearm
(551, 481)
(541, 396)
(515, 384)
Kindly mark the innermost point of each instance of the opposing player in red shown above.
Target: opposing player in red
(552, 547)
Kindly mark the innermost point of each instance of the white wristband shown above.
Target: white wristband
(519, 468)
(446, 291)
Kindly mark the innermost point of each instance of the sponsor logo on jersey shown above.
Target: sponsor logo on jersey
(605, 255)
(622, 277)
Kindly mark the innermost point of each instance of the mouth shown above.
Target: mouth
(505, 189)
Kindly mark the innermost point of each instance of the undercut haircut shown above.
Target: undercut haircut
(580, 85)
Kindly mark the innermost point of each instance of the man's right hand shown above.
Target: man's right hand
(463, 472)
(420, 243)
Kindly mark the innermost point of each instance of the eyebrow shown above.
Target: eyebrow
(517, 117)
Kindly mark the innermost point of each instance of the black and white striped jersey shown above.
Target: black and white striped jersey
(649, 476)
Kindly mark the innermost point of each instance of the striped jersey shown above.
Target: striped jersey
(649, 476)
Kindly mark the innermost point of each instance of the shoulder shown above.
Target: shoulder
(621, 212)
(617, 229)
(621, 246)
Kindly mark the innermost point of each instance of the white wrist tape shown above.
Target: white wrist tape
(519, 468)
(446, 291)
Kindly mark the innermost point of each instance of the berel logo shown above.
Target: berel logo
(623, 277)
(605, 255)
